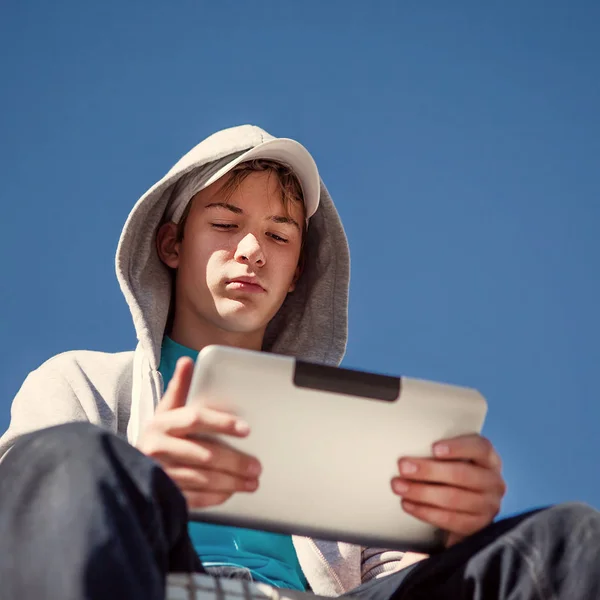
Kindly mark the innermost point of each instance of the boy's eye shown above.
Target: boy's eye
(229, 226)
(223, 225)
(277, 238)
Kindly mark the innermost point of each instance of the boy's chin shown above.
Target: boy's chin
(243, 321)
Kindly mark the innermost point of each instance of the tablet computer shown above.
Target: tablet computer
(329, 440)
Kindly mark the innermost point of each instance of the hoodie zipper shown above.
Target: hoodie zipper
(328, 567)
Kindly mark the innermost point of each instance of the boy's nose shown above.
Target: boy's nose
(249, 250)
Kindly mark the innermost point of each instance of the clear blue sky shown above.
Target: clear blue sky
(460, 141)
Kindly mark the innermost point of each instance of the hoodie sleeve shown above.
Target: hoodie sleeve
(46, 398)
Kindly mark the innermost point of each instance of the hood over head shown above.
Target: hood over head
(311, 324)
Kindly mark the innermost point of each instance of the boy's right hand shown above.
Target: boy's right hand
(207, 472)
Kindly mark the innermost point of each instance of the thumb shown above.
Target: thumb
(178, 387)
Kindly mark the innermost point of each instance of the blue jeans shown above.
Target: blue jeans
(85, 515)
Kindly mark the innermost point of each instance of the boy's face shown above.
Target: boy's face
(238, 258)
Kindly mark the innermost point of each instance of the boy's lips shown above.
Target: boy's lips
(246, 284)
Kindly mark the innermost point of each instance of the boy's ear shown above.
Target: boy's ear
(167, 245)
(295, 280)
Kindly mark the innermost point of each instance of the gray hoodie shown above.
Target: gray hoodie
(120, 391)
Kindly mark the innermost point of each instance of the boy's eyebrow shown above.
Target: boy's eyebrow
(234, 209)
(238, 211)
(286, 220)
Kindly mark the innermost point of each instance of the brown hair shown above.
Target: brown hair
(289, 187)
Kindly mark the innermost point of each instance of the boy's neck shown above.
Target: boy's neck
(196, 335)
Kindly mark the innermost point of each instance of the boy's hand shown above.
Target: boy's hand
(208, 473)
(460, 490)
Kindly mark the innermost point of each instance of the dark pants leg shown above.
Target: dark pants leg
(83, 514)
(552, 554)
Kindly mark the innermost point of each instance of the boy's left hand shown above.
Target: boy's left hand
(459, 491)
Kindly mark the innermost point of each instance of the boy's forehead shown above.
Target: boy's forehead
(264, 189)
(261, 186)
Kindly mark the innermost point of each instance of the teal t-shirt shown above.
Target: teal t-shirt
(270, 557)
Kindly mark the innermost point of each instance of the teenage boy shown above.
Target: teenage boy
(239, 244)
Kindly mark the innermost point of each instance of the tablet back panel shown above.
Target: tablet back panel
(329, 440)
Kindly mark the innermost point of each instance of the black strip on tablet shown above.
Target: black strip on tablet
(347, 381)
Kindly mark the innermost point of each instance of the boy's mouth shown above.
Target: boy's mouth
(245, 284)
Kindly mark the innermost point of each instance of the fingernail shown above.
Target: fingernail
(254, 469)
(400, 487)
(408, 468)
(251, 485)
(441, 450)
(242, 427)
(408, 505)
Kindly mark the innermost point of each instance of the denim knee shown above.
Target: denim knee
(59, 441)
(573, 517)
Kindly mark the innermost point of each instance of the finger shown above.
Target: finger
(177, 390)
(191, 420)
(458, 474)
(471, 447)
(444, 496)
(226, 459)
(205, 455)
(169, 451)
(196, 480)
(205, 499)
(454, 522)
